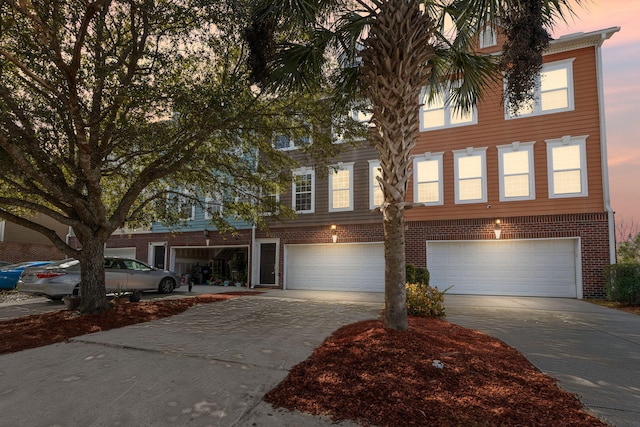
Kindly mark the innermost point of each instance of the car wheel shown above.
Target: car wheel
(167, 285)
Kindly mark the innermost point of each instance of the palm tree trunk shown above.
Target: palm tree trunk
(394, 71)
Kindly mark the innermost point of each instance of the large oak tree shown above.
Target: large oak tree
(114, 112)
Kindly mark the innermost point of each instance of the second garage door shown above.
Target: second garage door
(502, 267)
(335, 267)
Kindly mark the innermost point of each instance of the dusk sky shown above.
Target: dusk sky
(621, 64)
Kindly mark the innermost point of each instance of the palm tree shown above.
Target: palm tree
(387, 52)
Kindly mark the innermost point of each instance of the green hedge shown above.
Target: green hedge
(417, 274)
(622, 283)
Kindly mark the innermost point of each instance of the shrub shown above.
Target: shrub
(410, 270)
(417, 274)
(622, 283)
(425, 301)
(422, 276)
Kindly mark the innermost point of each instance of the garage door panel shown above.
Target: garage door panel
(346, 267)
(522, 268)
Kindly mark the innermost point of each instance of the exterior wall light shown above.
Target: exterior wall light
(334, 233)
(206, 236)
(497, 229)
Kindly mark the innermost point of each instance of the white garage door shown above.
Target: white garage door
(504, 267)
(332, 267)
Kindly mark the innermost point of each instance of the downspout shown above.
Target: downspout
(603, 149)
(252, 285)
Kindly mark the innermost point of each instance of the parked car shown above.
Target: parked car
(62, 278)
(10, 274)
(4, 263)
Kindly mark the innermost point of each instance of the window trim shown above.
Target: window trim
(374, 184)
(212, 200)
(511, 148)
(438, 157)
(537, 106)
(447, 110)
(304, 171)
(470, 151)
(293, 145)
(341, 167)
(567, 140)
(483, 38)
(358, 116)
(183, 202)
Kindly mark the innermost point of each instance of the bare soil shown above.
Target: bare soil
(368, 374)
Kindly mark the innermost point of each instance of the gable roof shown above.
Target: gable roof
(580, 40)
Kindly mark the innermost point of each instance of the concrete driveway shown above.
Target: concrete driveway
(593, 352)
(212, 364)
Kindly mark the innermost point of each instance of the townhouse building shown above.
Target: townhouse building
(504, 203)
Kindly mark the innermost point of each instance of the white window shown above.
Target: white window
(341, 188)
(470, 175)
(376, 196)
(515, 164)
(427, 179)
(182, 202)
(285, 142)
(488, 37)
(439, 113)
(271, 204)
(553, 91)
(212, 206)
(303, 190)
(362, 117)
(567, 166)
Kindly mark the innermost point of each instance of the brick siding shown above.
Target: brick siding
(18, 252)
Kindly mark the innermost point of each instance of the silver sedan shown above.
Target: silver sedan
(121, 274)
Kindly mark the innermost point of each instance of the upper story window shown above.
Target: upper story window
(181, 200)
(213, 206)
(488, 37)
(303, 190)
(427, 179)
(567, 166)
(285, 142)
(341, 188)
(362, 117)
(470, 172)
(438, 112)
(270, 203)
(376, 196)
(515, 164)
(553, 92)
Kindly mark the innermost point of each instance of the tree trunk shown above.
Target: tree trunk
(92, 281)
(395, 307)
(395, 68)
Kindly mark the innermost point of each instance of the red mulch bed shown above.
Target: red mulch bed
(386, 378)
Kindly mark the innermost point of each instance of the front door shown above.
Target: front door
(157, 255)
(267, 263)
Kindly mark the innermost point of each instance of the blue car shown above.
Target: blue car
(10, 274)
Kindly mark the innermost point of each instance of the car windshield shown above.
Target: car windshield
(135, 265)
